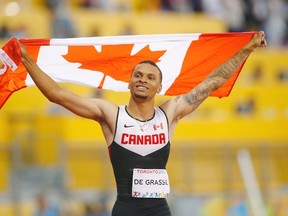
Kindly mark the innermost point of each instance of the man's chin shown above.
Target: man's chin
(140, 96)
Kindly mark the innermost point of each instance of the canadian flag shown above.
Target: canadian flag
(106, 62)
(158, 126)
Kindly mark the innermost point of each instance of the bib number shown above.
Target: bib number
(150, 183)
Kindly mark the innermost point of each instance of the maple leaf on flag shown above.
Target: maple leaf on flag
(115, 61)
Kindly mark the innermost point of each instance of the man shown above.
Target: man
(138, 135)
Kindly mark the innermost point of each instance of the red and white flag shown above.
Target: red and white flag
(106, 62)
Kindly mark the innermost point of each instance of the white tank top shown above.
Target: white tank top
(142, 137)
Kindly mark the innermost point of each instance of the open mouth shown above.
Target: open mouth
(141, 87)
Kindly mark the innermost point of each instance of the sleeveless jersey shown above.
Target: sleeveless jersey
(138, 144)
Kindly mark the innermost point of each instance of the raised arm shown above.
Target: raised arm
(184, 104)
(92, 108)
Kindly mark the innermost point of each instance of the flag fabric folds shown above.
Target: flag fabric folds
(106, 62)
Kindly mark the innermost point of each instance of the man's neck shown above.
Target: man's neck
(142, 110)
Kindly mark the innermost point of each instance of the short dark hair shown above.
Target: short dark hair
(153, 64)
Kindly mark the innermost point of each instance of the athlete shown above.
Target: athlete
(138, 135)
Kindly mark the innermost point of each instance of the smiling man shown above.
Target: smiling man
(144, 72)
(138, 135)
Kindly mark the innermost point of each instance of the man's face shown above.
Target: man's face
(145, 81)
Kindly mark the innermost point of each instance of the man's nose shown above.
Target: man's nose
(143, 79)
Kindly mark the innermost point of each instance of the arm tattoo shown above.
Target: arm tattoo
(195, 97)
(189, 98)
(226, 70)
(214, 81)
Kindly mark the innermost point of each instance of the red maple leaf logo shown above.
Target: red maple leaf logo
(115, 61)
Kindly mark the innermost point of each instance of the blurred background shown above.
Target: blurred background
(229, 157)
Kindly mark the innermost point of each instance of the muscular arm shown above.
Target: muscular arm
(184, 104)
(213, 81)
(91, 108)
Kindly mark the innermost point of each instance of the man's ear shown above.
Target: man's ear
(159, 89)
